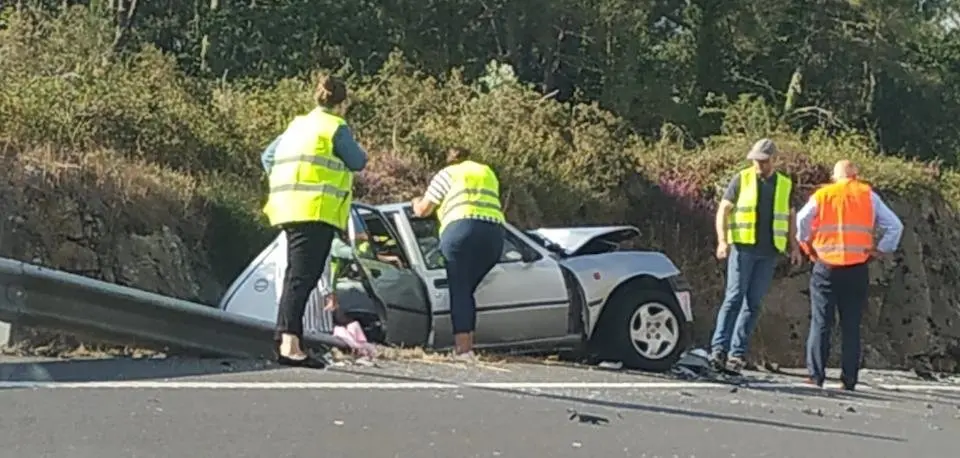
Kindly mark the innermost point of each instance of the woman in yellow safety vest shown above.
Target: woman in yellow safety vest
(310, 168)
(466, 197)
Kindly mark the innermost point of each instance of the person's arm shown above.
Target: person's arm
(726, 207)
(889, 224)
(792, 231)
(804, 225)
(266, 158)
(439, 186)
(348, 150)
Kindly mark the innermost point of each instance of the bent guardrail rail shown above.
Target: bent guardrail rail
(33, 295)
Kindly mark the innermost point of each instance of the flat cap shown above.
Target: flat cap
(762, 150)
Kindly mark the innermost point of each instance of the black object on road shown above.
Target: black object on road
(587, 418)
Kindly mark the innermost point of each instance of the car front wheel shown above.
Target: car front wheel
(643, 328)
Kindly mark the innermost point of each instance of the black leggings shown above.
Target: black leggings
(308, 245)
(471, 248)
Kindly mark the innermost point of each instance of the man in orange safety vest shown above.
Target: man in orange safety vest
(836, 229)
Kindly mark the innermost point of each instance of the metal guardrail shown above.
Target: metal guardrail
(38, 296)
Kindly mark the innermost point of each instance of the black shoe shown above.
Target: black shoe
(308, 362)
(848, 385)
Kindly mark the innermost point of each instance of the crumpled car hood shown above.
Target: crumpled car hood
(572, 239)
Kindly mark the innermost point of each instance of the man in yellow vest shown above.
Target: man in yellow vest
(466, 196)
(754, 224)
(310, 168)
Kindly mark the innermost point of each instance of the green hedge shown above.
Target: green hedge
(560, 163)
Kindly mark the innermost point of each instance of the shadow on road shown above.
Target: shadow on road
(122, 369)
(875, 395)
(647, 408)
(697, 414)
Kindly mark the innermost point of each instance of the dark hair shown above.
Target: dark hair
(330, 91)
(457, 154)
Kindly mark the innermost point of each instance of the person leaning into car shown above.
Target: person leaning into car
(466, 197)
(310, 168)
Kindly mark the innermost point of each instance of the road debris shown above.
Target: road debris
(587, 418)
(809, 411)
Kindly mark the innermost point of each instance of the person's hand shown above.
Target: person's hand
(723, 250)
(796, 256)
(332, 303)
(878, 255)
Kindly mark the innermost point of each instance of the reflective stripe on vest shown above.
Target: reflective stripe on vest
(474, 193)
(742, 225)
(844, 224)
(307, 182)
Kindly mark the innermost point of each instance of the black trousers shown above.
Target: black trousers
(471, 248)
(836, 291)
(308, 245)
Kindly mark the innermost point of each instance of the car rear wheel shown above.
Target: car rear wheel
(643, 328)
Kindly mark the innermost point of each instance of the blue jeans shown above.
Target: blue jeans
(471, 248)
(749, 276)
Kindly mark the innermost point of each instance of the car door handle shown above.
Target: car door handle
(375, 273)
(440, 283)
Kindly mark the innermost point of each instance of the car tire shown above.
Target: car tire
(633, 320)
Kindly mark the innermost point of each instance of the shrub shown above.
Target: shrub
(559, 163)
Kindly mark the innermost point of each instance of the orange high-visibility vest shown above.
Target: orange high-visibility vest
(844, 224)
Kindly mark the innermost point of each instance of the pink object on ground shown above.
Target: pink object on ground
(353, 335)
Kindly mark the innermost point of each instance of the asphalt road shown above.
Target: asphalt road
(212, 409)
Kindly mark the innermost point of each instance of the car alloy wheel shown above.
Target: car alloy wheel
(654, 330)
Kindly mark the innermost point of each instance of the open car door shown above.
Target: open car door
(379, 253)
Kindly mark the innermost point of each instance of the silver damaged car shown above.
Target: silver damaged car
(554, 289)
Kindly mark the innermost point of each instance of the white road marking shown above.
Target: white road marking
(176, 384)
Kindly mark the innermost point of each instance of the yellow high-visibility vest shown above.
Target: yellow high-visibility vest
(307, 182)
(742, 225)
(474, 192)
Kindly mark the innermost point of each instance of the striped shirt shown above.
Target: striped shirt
(439, 188)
